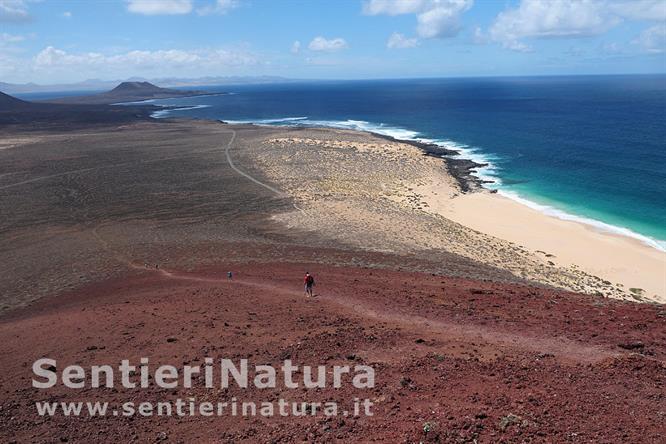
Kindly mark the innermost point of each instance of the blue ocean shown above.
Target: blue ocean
(587, 148)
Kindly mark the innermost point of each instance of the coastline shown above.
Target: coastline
(171, 107)
(621, 260)
(459, 167)
(628, 261)
(466, 220)
(465, 165)
(632, 280)
(166, 214)
(463, 169)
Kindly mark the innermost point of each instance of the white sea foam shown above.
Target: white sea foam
(601, 226)
(213, 94)
(165, 112)
(143, 102)
(362, 125)
(282, 120)
(489, 173)
(139, 102)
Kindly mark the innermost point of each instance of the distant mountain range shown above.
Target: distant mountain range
(127, 92)
(166, 82)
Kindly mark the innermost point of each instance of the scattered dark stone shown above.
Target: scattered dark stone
(480, 291)
(545, 355)
(171, 339)
(462, 170)
(632, 345)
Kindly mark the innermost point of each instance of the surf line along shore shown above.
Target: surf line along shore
(565, 254)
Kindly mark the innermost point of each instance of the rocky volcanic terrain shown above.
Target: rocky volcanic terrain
(116, 242)
(466, 360)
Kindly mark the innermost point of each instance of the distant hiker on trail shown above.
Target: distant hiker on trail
(309, 283)
(230, 276)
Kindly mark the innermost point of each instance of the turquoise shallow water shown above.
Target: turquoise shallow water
(591, 148)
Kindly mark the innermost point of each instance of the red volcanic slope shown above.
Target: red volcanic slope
(477, 362)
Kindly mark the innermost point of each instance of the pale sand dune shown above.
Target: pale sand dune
(616, 258)
(383, 195)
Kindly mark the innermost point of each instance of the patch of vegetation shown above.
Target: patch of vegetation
(509, 420)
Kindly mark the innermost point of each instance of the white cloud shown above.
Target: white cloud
(158, 7)
(435, 18)
(13, 10)
(399, 41)
(53, 65)
(9, 66)
(67, 14)
(219, 7)
(515, 45)
(296, 47)
(393, 7)
(640, 9)
(321, 44)
(10, 38)
(653, 39)
(162, 62)
(10, 47)
(550, 19)
(479, 37)
(442, 20)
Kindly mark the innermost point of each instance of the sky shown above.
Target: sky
(59, 41)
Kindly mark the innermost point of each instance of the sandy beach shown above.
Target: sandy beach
(622, 260)
(392, 221)
(388, 196)
(117, 241)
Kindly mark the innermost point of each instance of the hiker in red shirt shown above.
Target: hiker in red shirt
(309, 283)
